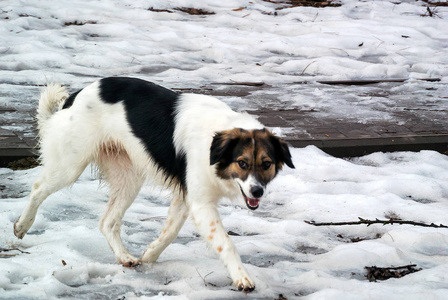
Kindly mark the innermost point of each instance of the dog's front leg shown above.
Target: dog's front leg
(177, 214)
(207, 220)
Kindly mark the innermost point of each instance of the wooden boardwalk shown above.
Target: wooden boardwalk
(418, 122)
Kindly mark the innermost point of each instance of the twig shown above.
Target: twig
(307, 67)
(438, 3)
(341, 50)
(167, 281)
(372, 81)
(382, 42)
(392, 238)
(397, 268)
(11, 249)
(8, 255)
(203, 278)
(243, 83)
(153, 218)
(376, 221)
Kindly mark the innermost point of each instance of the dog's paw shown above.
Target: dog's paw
(242, 280)
(21, 228)
(245, 285)
(129, 261)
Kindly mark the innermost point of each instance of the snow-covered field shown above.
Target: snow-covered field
(283, 253)
(75, 42)
(372, 39)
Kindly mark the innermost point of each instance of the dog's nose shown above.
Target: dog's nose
(257, 191)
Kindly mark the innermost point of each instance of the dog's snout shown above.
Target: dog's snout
(257, 191)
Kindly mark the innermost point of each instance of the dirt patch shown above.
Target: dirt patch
(376, 273)
(195, 11)
(23, 163)
(356, 239)
(79, 23)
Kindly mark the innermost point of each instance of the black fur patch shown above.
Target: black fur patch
(221, 150)
(282, 151)
(69, 101)
(150, 112)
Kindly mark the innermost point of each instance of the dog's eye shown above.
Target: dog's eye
(266, 165)
(243, 165)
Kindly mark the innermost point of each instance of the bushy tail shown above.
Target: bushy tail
(51, 100)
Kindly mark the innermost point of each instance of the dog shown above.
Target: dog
(134, 130)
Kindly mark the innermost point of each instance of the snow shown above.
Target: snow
(67, 256)
(374, 39)
(284, 254)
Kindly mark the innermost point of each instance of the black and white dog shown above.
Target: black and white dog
(134, 130)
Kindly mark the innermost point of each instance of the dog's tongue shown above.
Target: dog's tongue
(253, 202)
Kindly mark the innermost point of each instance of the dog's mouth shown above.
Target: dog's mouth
(251, 203)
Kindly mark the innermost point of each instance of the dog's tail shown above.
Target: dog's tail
(51, 100)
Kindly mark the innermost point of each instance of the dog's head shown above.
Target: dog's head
(250, 157)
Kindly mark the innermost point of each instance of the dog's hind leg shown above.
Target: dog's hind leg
(125, 182)
(57, 174)
(177, 214)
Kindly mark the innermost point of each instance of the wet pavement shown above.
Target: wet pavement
(357, 119)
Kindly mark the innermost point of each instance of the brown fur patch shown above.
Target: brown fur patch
(111, 149)
(219, 248)
(111, 155)
(252, 149)
(265, 154)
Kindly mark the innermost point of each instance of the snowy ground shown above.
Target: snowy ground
(283, 254)
(67, 257)
(373, 39)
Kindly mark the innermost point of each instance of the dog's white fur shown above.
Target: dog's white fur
(91, 131)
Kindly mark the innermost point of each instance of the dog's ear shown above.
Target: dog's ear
(282, 154)
(222, 146)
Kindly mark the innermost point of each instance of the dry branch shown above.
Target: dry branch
(371, 81)
(153, 218)
(11, 254)
(307, 67)
(203, 278)
(248, 83)
(376, 221)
